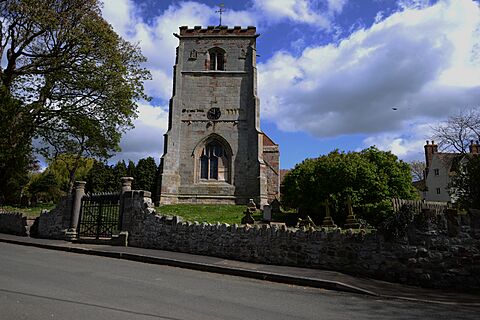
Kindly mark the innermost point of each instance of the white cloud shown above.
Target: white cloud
(413, 4)
(422, 61)
(146, 140)
(407, 143)
(336, 6)
(296, 10)
(158, 44)
(317, 13)
(120, 14)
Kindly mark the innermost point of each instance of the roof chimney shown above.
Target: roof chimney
(474, 147)
(430, 149)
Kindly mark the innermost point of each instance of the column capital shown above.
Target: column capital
(80, 184)
(126, 183)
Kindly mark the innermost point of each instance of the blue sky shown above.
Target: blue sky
(330, 71)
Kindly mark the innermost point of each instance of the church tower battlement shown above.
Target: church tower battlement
(213, 149)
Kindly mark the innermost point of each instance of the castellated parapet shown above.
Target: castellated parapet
(216, 31)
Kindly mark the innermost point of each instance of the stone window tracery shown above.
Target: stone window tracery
(214, 162)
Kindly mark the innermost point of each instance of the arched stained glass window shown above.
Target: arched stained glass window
(214, 162)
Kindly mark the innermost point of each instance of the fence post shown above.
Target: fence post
(76, 207)
(126, 186)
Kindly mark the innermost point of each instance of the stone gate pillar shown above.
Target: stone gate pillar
(126, 184)
(126, 187)
(78, 194)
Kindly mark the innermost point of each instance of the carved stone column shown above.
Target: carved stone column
(126, 184)
(79, 192)
(126, 187)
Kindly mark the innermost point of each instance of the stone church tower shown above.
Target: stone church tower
(214, 150)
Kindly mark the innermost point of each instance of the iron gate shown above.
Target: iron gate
(99, 216)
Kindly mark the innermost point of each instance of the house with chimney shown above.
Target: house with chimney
(441, 167)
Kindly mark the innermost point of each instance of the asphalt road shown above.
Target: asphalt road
(43, 284)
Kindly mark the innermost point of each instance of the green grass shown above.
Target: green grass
(32, 212)
(210, 213)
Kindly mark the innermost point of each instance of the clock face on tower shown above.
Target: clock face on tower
(213, 114)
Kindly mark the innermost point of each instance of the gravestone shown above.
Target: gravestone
(267, 213)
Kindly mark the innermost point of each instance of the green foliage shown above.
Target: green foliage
(15, 150)
(145, 174)
(375, 213)
(466, 184)
(369, 178)
(395, 227)
(131, 172)
(69, 168)
(105, 178)
(45, 187)
(54, 181)
(101, 178)
(30, 212)
(120, 170)
(67, 80)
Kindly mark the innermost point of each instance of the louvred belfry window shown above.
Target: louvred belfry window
(217, 59)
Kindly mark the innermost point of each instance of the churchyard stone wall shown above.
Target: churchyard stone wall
(54, 223)
(13, 223)
(426, 249)
(433, 252)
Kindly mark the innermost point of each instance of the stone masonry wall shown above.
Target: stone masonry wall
(271, 157)
(426, 258)
(13, 223)
(233, 91)
(53, 224)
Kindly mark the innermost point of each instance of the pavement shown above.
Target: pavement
(325, 279)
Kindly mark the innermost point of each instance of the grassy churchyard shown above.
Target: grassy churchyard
(30, 212)
(210, 213)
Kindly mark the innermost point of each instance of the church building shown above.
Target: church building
(214, 149)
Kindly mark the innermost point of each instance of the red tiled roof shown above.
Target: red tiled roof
(267, 141)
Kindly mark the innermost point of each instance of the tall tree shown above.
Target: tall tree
(370, 178)
(15, 150)
(456, 133)
(101, 178)
(417, 168)
(120, 170)
(131, 168)
(465, 183)
(75, 81)
(64, 165)
(145, 173)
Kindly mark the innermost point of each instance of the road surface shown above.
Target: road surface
(43, 284)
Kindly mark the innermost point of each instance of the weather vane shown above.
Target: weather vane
(220, 10)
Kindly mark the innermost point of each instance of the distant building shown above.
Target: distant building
(440, 169)
(214, 150)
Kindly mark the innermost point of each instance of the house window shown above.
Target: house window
(217, 59)
(214, 162)
(438, 190)
(436, 172)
